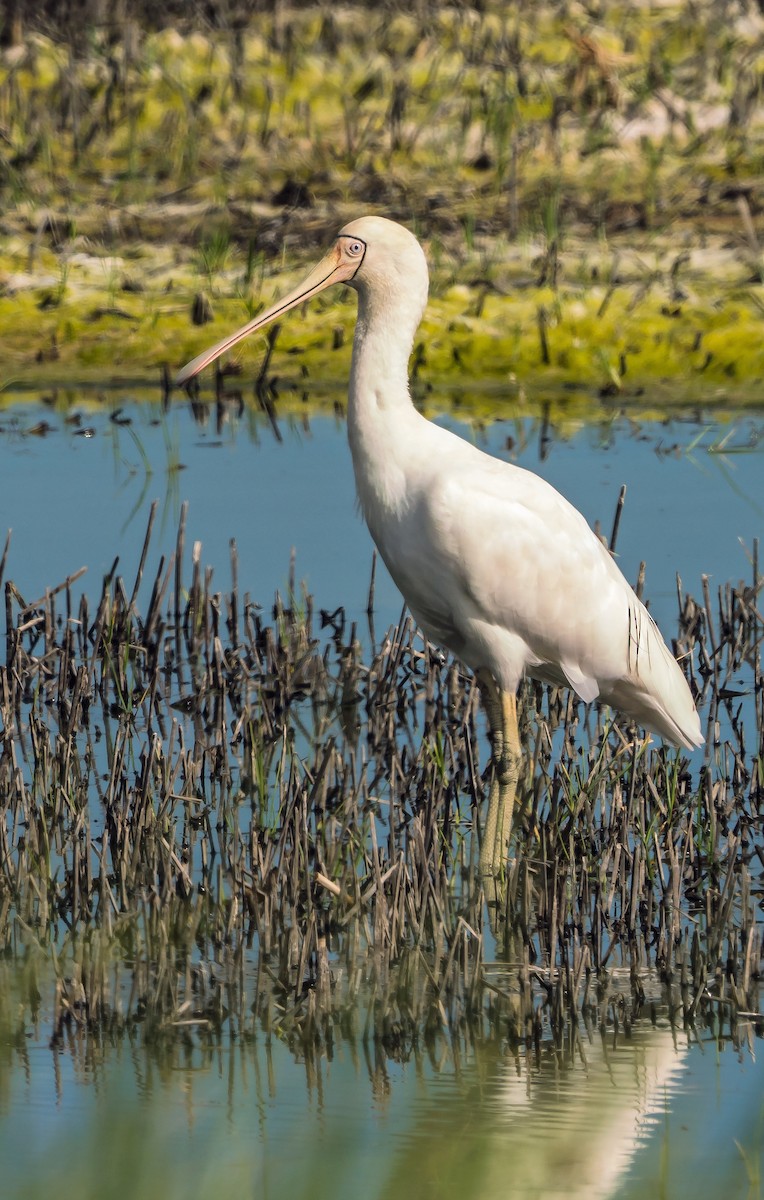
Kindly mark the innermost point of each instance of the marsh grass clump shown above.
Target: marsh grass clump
(214, 816)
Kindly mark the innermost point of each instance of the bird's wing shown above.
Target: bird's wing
(510, 546)
(501, 568)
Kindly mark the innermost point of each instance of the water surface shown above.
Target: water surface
(79, 494)
(638, 1113)
(631, 1113)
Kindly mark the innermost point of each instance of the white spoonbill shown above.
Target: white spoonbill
(493, 562)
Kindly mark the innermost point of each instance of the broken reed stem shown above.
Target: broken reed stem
(617, 517)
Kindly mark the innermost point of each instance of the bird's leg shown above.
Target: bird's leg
(501, 710)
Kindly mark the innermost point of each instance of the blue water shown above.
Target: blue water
(652, 1113)
(74, 500)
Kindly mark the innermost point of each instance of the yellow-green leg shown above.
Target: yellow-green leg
(501, 710)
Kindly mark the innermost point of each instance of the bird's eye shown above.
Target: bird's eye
(355, 248)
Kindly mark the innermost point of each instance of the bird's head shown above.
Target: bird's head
(379, 258)
(391, 273)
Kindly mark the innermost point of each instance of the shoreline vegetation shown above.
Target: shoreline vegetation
(204, 799)
(205, 802)
(587, 181)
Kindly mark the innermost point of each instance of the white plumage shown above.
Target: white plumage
(494, 563)
(499, 567)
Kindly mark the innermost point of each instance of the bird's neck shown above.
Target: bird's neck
(379, 371)
(380, 411)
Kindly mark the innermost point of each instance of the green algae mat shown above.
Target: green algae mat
(587, 187)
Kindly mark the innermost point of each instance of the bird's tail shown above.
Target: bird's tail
(656, 692)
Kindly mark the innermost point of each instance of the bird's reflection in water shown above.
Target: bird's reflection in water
(566, 1123)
